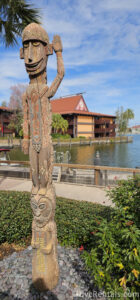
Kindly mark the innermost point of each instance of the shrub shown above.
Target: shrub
(74, 219)
(127, 194)
(114, 257)
(61, 136)
(15, 216)
(82, 137)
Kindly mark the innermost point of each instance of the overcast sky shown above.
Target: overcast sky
(101, 41)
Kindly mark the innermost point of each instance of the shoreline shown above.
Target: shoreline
(72, 141)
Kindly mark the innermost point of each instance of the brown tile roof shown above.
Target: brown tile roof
(67, 105)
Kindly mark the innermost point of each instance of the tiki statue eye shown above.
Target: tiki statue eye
(42, 206)
(26, 44)
(36, 43)
(34, 206)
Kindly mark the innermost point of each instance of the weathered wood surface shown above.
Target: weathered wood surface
(37, 142)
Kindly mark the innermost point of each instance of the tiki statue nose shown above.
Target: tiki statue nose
(30, 54)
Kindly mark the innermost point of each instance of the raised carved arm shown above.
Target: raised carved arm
(25, 142)
(57, 46)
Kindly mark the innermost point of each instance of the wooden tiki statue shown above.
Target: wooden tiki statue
(37, 142)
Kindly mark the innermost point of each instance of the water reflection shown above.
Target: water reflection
(120, 154)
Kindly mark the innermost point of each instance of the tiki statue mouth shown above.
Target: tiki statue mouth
(31, 67)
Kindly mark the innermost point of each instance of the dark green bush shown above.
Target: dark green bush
(74, 219)
(61, 136)
(15, 216)
(81, 137)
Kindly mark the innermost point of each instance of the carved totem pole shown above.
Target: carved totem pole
(37, 141)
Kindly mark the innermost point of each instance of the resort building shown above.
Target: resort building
(135, 129)
(81, 121)
(5, 114)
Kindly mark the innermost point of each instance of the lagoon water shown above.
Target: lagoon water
(119, 155)
(125, 155)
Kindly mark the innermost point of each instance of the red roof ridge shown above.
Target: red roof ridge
(67, 97)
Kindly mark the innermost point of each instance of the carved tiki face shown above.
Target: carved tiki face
(35, 49)
(42, 209)
(35, 57)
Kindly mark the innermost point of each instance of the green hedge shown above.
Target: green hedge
(60, 136)
(74, 219)
(15, 216)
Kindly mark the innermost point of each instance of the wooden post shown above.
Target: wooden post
(8, 140)
(20, 144)
(97, 177)
(30, 173)
(106, 177)
(134, 174)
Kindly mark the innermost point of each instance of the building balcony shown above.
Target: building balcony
(103, 122)
(71, 122)
(7, 130)
(104, 130)
(70, 131)
(6, 120)
(112, 126)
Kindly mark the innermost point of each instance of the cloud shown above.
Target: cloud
(94, 32)
(101, 41)
(125, 5)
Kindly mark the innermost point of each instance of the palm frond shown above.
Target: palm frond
(14, 16)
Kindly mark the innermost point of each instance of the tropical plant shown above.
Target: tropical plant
(114, 257)
(14, 16)
(59, 124)
(122, 119)
(64, 126)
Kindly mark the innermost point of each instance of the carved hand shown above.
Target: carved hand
(47, 249)
(25, 146)
(34, 244)
(57, 44)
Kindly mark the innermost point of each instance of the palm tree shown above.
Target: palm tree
(64, 126)
(14, 16)
(129, 114)
(122, 119)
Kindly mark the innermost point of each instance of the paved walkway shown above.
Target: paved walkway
(70, 191)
